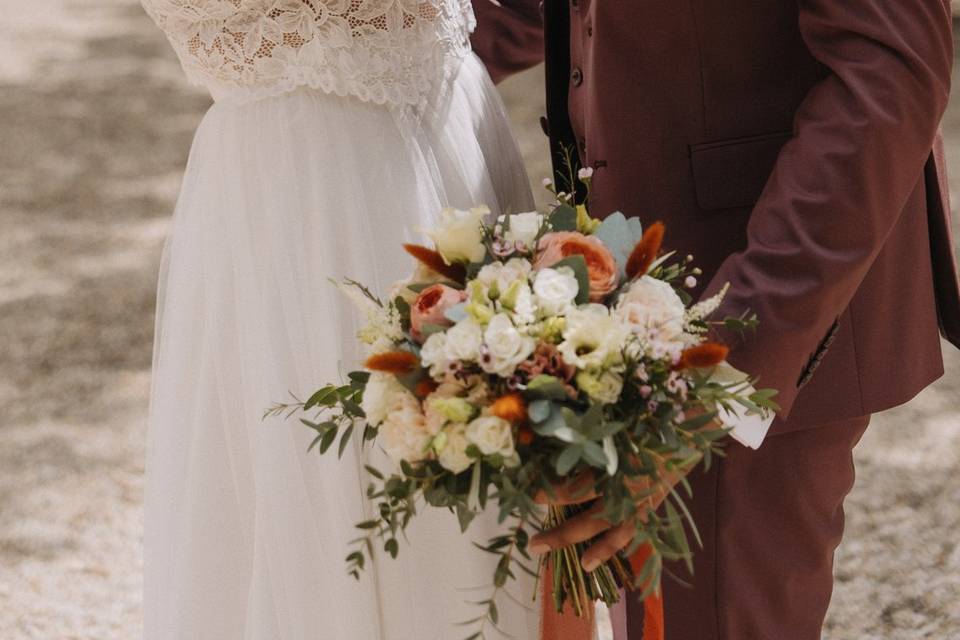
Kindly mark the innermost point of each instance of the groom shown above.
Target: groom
(792, 148)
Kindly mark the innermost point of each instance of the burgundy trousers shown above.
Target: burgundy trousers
(770, 521)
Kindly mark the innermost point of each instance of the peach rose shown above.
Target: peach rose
(430, 307)
(601, 266)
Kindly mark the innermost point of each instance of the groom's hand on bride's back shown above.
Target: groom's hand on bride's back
(607, 539)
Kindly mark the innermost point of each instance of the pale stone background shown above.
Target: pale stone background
(95, 124)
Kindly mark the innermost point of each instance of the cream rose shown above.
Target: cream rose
(405, 434)
(492, 435)
(459, 237)
(504, 347)
(555, 290)
(433, 354)
(380, 393)
(654, 311)
(452, 455)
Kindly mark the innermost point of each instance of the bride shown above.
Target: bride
(338, 126)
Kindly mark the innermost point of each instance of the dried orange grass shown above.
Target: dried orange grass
(395, 362)
(433, 260)
(703, 356)
(646, 250)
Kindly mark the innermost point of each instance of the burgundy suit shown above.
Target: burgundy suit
(792, 148)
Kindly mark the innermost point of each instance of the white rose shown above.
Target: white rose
(453, 454)
(504, 347)
(433, 354)
(592, 338)
(381, 391)
(524, 227)
(492, 435)
(555, 290)
(463, 341)
(459, 237)
(404, 434)
(504, 273)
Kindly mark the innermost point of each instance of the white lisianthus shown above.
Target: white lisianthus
(518, 299)
(453, 409)
(556, 290)
(451, 446)
(433, 354)
(379, 394)
(654, 311)
(405, 434)
(604, 387)
(463, 341)
(504, 347)
(592, 338)
(459, 237)
(504, 273)
(524, 227)
(492, 435)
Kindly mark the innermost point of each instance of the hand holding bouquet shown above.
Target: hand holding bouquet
(528, 353)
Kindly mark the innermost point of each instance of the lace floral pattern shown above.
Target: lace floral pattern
(392, 52)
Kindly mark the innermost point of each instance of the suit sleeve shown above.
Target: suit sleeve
(509, 35)
(861, 139)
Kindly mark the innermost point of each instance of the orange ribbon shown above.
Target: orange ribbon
(567, 626)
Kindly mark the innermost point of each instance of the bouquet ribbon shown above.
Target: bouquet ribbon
(557, 625)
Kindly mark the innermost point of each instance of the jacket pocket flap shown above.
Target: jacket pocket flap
(731, 174)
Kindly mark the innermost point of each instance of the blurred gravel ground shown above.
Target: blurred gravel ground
(95, 125)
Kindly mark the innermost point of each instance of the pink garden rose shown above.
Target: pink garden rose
(601, 265)
(430, 307)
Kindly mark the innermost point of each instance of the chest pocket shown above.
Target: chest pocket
(731, 174)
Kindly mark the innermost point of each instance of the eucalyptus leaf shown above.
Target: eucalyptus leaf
(547, 386)
(556, 426)
(327, 440)
(568, 459)
(456, 313)
(345, 440)
(564, 218)
(464, 516)
(620, 235)
(613, 459)
(539, 410)
(594, 454)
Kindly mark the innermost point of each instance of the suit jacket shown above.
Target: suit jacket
(791, 146)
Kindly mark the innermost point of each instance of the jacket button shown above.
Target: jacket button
(576, 77)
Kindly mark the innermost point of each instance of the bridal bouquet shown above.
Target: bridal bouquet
(526, 353)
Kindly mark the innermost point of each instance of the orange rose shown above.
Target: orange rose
(601, 266)
(430, 307)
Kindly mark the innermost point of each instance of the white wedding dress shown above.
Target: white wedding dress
(339, 127)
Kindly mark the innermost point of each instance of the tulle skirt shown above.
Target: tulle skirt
(246, 533)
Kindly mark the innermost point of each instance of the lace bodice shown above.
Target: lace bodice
(392, 52)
